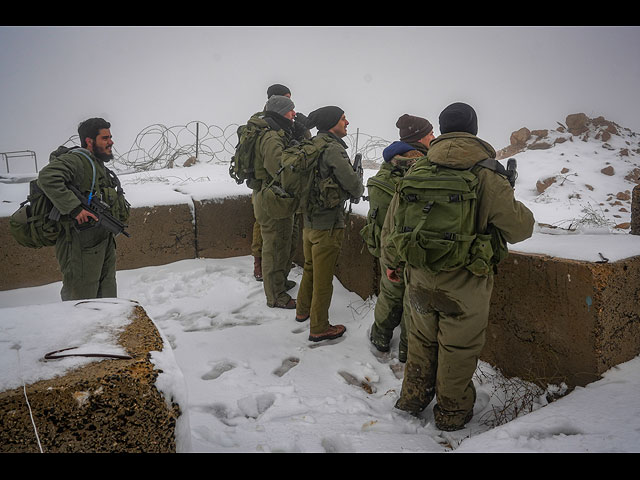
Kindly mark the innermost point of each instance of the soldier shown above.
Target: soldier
(324, 222)
(276, 233)
(450, 309)
(300, 131)
(416, 134)
(86, 252)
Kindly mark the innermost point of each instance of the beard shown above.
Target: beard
(100, 154)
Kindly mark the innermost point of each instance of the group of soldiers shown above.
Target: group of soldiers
(442, 316)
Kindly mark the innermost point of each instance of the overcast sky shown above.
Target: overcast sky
(53, 77)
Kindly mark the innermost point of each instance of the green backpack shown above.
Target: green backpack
(435, 222)
(31, 226)
(242, 164)
(292, 187)
(381, 191)
(37, 223)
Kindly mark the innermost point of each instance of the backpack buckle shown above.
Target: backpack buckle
(427, 207)
(455, 197)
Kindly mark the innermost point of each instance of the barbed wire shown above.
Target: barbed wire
(158, 146)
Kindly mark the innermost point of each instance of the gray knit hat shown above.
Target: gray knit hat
(279, 104)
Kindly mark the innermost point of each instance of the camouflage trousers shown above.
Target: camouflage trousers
(449, 315)
(321, 251)
(87, 261)
(392, 309)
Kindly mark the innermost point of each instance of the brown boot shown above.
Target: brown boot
(257, 268)
(334, 331)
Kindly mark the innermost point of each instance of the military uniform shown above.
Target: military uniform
(276, 234)
(323, 232)
(449, 310)
(87, 256)
(391, 307)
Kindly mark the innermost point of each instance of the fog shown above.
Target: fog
(54, 77)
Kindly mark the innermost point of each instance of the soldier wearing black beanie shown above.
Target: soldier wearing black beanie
(278, 89)
(459, 117)
(324, 118)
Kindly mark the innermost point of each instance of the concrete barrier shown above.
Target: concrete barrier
(551, 320)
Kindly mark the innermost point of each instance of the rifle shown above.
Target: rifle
(99, 209)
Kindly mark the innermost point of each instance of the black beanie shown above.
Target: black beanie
(324, 118)
(459, 117)
(277, 89)
(413, 128)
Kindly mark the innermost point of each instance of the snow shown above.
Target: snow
(247, 378)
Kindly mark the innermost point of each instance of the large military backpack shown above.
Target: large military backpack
(31, 225)
(37, 223)
(294, 183)
(435, 222)
(242, 164)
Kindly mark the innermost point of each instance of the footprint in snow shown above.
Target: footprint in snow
(287, 364)
(217, 370)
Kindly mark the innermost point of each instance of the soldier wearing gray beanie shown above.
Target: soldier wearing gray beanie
(279, 104)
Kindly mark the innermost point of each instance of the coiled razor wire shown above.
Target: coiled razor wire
(158, 146)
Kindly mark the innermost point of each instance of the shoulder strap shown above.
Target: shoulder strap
(494, 165)
(85, 154)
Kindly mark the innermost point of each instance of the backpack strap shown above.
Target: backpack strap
(493, 165)
(84, 153)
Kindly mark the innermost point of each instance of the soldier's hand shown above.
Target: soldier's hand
(301, 119)
(85, 216)
(392, 275)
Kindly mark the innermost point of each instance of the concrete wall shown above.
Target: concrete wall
(551, 320)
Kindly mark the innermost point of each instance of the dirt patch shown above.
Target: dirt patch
(107, 406)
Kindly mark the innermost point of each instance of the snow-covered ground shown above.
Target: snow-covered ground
(249, 379)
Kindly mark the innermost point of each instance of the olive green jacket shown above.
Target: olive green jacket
(66, 167)
(334, 163)
(497, 205)
(268, 151)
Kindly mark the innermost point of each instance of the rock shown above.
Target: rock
(542, 185)
(520, 137)
(540, 133)
(191, 161)
(608, 171)
(540, 146)
(633, 175)
(577, 123)
(624, 195)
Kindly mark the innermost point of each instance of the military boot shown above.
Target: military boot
(378, 339)
(417, 389)
(257, 268)
(451, 421)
